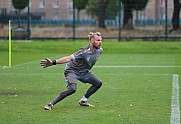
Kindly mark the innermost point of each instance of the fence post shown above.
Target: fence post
(119, 16)
(166, 20)
(73, 21)
(28, 21)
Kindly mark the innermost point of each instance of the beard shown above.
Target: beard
(96, 46)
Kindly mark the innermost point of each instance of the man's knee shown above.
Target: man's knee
(72, 88)
(98, 84)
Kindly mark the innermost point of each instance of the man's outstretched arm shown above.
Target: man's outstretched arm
(48, 62)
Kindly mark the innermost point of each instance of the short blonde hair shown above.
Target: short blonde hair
(92, 34)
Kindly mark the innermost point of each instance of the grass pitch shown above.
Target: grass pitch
(137, 84)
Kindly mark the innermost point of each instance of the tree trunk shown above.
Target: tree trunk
(78, 14)
(19, 17)
(128, 15)
(102, 13)
(176, 13)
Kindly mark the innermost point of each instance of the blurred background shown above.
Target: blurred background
(74, 19)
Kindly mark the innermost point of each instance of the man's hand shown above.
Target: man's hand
(46, 62)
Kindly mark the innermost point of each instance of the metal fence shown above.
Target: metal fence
(58, 19)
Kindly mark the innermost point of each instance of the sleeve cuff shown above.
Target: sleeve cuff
(72, 57)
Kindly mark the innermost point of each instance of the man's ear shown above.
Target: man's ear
(92, 40)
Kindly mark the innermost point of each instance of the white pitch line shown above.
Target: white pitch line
(47, 74)
(3, 67)
(175, 107)
(112, 66)
(146, 74)
(29, 74)
(139, 66)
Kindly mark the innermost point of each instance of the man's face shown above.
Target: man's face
(96, 41)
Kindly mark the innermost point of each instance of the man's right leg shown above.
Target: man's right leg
(71, 89)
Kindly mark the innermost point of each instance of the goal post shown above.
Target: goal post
(10, 46)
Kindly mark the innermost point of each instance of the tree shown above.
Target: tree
(101, 10)
(129, 6)
(176, 13)
(128, 13)
(92, 9)
(20, 5)
(79, 5)
(111, 9)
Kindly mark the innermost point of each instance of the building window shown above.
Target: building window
(56, 16)
(55, 4)
(13, 9)
(29, 3)
(41, 4)
(70, 6)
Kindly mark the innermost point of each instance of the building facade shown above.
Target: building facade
(63, 9)
(52, 9)
(48, 9)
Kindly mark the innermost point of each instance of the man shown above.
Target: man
(77, 68)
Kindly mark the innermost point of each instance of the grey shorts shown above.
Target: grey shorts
(87, 77)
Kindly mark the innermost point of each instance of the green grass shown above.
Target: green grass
(28, 51)
(128, 95)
